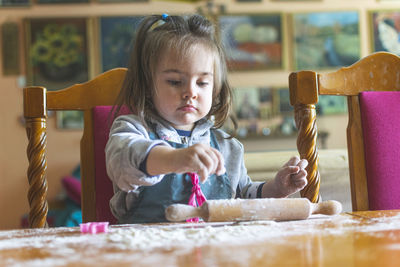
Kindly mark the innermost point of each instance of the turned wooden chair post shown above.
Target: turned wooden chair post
(35, 118)
(303, 96)
(96, 188)
(372, 148)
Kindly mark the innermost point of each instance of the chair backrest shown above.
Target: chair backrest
(104, 188)
(100, 91)
(371, 187)
(381, 132)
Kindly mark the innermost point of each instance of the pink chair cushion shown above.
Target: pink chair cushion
(104, 188)
(380, 114)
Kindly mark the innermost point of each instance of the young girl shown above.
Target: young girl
(177, 86)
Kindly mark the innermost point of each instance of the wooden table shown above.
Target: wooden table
(350, 239)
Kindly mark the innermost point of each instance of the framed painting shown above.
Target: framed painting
(247, 1)
(324, 40)
(258, 112)
(329, 104)
(284, 102)
(252, 42)
(385, 31)
(14, 3)
(10, 43)
(117, 36)
(296, 0)
(57, 55)
(70, 119)
(119, 1)
(57, 52)
(61, 1)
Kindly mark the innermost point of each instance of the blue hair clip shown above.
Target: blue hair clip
(159, 22)
(164, 16)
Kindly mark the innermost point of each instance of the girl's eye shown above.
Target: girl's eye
(174, 82)
(202, 84)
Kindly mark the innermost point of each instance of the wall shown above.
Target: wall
(63, 146)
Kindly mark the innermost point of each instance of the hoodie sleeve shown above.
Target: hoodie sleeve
(127, 147)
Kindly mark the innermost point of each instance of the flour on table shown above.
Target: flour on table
(140, 240)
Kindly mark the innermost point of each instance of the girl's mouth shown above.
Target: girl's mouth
(187, 108)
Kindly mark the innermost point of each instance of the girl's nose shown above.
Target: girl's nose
(190, 91)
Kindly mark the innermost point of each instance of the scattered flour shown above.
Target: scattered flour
(180, 239)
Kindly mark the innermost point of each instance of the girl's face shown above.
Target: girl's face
(184, 87)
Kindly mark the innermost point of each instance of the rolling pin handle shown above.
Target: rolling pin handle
(329, 207)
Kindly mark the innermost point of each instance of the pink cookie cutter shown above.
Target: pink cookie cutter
(94, 227)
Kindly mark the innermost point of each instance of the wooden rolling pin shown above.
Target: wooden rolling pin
(277, 209)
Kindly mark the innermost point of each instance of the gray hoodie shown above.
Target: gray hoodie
(129, 144)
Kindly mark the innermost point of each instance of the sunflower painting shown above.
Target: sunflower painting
(56, 51)
(57, 58)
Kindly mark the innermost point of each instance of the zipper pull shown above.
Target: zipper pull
(184, 140)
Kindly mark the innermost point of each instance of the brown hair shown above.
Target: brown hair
(161, 34)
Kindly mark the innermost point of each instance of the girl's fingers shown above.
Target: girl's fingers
(302, 163)
(204, 167)
(291, 170)
(214, 161)
(300, 174)
(220, 166)
(207, 161)
(203, 174)
(301, 184)
(293, 161)
(300, 179)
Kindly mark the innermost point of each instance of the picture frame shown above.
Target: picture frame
(266, 112)
(56, 51)
(15, 3)
(61, 1)
(258, 115)
(57, 56)
(69, 120)
(295, 0)
(10, 43)
(284, 106)
(252, 41)
(323, 40)
(120, 1)
(385, 29)
(116, 37)
(248, 1)
(331, 104)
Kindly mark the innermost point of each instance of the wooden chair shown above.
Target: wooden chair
(101, 91)
(368, 146)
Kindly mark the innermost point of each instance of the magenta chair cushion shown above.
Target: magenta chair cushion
(104, 188)
(380, 114)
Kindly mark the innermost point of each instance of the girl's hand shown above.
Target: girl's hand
(199, 158)
(291, 178)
